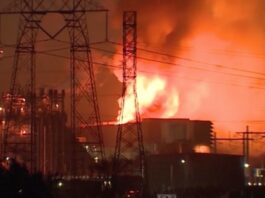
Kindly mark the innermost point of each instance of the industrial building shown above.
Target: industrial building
(168, 136)
(55, 145)
(164, 136)
(178, 151)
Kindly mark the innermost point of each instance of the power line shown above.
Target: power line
(148, 72)
(192, 60)
(68, 58)
(45, 52)
(118, 67)
(187, 66)
(221, 51)
(168, 63)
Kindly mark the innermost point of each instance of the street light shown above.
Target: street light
(246, 165)
(183, 161)
(60, 184)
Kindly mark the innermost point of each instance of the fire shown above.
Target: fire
(213, 93)
(217, 70)
(153, 99)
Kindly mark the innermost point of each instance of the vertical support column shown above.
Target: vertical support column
(85, 118)
(247, 144)
(129, 149)
(20, 131)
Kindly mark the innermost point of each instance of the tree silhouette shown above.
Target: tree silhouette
(16, 181)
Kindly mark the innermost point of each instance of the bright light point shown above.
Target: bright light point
(57, 106)
(246, 165)
(60, 184)
(96, 159)
(1, 108)
(23, 132)
(249, 183)
(260, 184)
(86, 146)
(7, 158)
(183, 161)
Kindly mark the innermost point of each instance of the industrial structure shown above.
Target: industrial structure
(129, 148)
(54, 140)
(37, 130)
(171, 136)
(35, 125)
(22, 98)
(168, 136)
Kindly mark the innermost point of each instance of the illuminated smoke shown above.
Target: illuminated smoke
(215, 45)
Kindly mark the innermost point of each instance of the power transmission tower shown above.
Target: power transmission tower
(129, 150)
(21, 110)
(84, 111)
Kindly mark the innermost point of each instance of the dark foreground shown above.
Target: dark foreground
(15, 181)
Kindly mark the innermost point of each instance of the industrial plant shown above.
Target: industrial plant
(59, 132)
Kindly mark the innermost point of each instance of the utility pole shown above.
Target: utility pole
(84, 110)
(245, 148)
(246, 138)
(129, 149)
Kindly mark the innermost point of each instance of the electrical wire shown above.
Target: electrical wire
(192, 60)
(214, 50)
(181, 65)
(82, 60)
(149, 59)
(148, 72)
(174, 64)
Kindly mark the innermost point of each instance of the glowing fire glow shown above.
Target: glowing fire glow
(209, 61)
(153, 98)
(202, 149)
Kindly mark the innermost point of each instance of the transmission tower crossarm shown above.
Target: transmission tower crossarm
(44, 12)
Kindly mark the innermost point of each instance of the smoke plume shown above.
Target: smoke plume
(217, 58)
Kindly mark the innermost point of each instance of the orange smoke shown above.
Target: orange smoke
(223, 89)
(216, 68)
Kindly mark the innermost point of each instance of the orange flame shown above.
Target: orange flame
(153, 99)
(219, 43)
(200, 93)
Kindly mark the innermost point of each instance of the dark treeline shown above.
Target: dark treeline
(16, 181)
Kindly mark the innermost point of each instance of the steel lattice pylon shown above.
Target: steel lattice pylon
(84, 110)
(21, 111)
(83, 90)
(129, 150)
